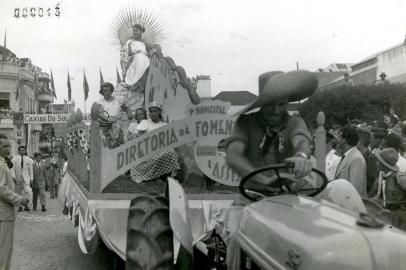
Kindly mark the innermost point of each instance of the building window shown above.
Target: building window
(5, 101)
(31, 106)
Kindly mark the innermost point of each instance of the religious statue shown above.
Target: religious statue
(139, 34)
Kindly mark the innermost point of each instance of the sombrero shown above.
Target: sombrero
(388, 157)
(276, 86)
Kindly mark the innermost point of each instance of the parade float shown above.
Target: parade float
(186, 220)
(104, 202)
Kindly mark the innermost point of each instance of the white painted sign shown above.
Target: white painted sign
(119, 160)
(45, 118)
(208, 107)
(211, 159)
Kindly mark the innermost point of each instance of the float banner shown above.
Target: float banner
(210, 157)
(45, 118)
(208, 107)
(18, 119)
(119, 160)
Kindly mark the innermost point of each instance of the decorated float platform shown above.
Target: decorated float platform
(96, 192)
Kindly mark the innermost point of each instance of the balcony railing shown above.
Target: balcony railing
(45, 96)
(36, 127)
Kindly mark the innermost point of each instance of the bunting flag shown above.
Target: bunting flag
(85, 86)
(18, 87)
(118, 76)
(69, 89)
(101, 77)
(53, 85)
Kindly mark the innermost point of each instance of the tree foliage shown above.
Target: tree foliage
(364, 102)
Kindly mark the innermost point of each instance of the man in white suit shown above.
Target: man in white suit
(23, 170)
(352, 166)
(8, 201)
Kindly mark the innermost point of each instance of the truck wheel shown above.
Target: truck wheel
(149, 234)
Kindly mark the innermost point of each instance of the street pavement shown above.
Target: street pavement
(48, 240)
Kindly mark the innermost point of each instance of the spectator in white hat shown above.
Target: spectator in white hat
(160, 165)
(154, 121)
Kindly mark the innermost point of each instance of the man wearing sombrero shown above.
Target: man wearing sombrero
(270, 135)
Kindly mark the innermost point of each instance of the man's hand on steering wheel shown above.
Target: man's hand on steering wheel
(287, 183)
(301, 166)
(263, 182)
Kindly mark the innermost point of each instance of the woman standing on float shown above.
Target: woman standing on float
(135, 60)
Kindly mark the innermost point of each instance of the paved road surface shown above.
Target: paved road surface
(47, 240)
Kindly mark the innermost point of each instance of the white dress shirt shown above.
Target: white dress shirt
(332, 160)
(401, 164)
(26, 172)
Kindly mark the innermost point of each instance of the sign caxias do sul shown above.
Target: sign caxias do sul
(45, 118)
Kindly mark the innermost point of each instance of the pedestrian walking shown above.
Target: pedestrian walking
(38, 185)
(53, 175)
(8, 201)
(22, 166)
(65, 166)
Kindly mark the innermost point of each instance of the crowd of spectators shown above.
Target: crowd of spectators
(372, 158)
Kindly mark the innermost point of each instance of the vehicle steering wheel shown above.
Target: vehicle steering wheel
(280, 178)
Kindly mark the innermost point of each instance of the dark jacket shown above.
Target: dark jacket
(39, 174)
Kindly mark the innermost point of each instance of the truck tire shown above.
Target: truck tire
(149, 234)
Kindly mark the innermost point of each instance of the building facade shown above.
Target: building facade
(391, 61)
(203, 85)
(24, 88)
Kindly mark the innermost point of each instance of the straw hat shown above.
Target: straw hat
(388, 157)
(276, 86)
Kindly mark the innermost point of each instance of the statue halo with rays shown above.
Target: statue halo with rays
(127, 17)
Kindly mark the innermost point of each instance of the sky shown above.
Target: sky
(233, 41)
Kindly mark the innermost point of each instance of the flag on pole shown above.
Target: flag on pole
(118, 76)
(36, 85)
(101, 77)
(53, 85)
(3, 53)
(85, 86)
(18, 87)
(5, 45)
(69, 89)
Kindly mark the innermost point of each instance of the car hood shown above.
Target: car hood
(284, 231)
